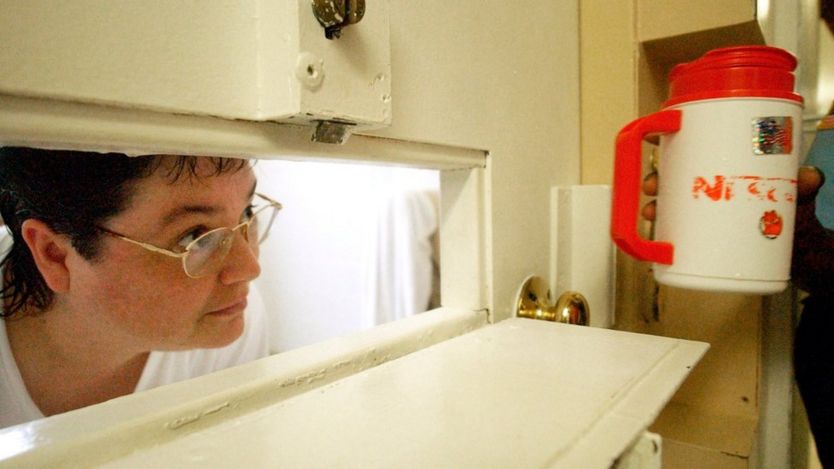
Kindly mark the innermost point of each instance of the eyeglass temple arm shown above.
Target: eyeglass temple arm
(149, 247)
(269, 199)
(278, 208)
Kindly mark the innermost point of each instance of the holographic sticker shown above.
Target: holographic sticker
(773, 135)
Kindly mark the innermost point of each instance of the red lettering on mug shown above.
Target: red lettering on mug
(758, 188)
(714, 191)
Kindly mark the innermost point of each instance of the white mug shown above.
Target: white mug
(729, 137)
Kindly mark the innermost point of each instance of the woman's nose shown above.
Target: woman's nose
(241, 263)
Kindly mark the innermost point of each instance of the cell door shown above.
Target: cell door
(485, 92)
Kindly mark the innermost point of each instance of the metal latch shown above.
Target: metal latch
(534, 302)
(335, 132)
(334, 15)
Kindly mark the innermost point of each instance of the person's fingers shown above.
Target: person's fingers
(650, 188)
(809, 181)
(650, 184)
(649, 211)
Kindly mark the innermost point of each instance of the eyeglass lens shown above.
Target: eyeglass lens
(209, 251)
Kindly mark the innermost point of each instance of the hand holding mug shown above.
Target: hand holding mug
(812, 263)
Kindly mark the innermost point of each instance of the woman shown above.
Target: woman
(123, 274)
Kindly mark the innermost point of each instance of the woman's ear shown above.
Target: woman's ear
(49, 250)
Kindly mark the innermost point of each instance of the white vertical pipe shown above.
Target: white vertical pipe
(581, 251)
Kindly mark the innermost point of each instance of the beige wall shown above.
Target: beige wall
(510, 88)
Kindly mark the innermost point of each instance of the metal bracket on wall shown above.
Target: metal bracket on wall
(334, 15)
(334, 132)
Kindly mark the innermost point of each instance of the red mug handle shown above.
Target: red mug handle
(627, 182)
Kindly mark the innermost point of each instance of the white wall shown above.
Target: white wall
(314, 261)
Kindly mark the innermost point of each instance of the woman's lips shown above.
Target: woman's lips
(230, 310)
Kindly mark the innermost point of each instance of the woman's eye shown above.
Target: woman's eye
(190, 236)
(247, 213)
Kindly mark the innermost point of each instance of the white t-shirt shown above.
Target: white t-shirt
(16, 406)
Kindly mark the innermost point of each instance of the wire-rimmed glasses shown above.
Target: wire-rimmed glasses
(206, 253)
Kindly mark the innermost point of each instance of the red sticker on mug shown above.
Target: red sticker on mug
(771, 224)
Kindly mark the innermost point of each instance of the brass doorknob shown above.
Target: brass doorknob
(534, 303)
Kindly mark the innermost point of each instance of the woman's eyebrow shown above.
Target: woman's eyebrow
(185, 210)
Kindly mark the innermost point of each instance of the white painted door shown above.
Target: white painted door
(519, 393)
(487, 92)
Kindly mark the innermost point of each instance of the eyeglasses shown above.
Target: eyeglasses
(206, 253)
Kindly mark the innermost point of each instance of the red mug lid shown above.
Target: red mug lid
(735, 72)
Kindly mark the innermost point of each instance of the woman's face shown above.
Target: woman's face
(143, 300)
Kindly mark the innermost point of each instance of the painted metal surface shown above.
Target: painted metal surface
(254, 59)
(99, 433)
(453, 83)
(58, 124)
(458, 402)
(520, 393)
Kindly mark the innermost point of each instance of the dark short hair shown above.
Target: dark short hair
(72, 192)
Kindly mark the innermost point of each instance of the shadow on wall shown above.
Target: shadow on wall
(355, 246)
